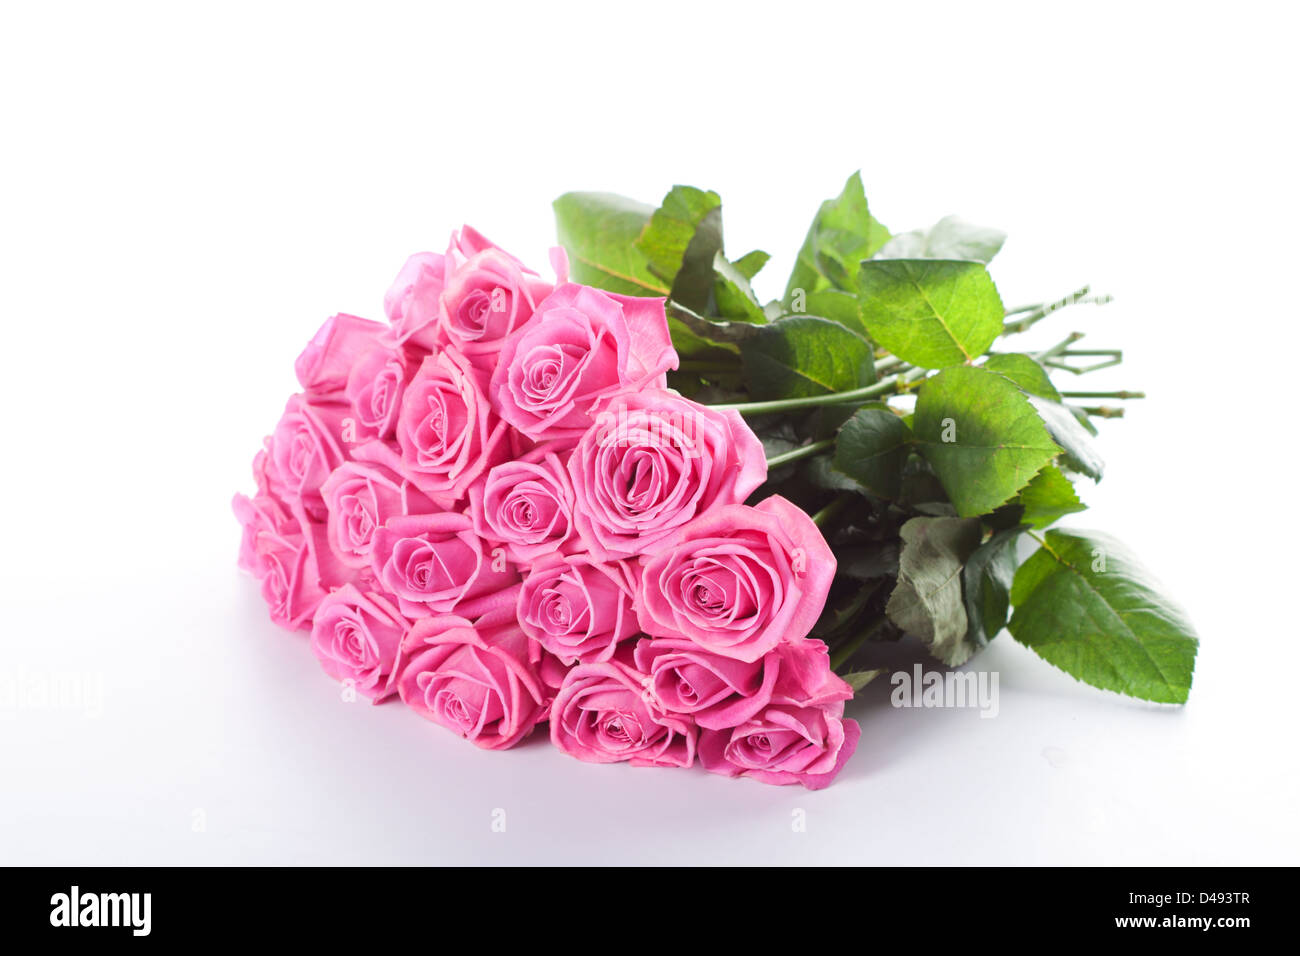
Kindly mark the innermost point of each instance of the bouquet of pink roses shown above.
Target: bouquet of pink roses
(494, 508)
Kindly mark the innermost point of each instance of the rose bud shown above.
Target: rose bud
(324, 364)
(435, 563)
(283, 559)
(374, 393)
(527, 506)
(360, 496)
(784, 744)
(738, 580)
(487, 295)
(475, 679)
(447, 433)
(603, 714)
(411, 303)
(305, 447)
(720, 692)
(357, 638)
(578, 609)
(582, 345)
(652, 462)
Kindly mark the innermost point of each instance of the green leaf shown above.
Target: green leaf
(841, 307)
(1048, 497)
(981, 436)
(680, 242)
(802, 356)
(872, 448)
(750, 263)
(837, 617)
(949, 238)
(1084, 604)
(842, 234)
(1022, 369)
(819, 472)
(927, 600)
(600, 231)
(1077, 449)
(735, 298)
(930, 312)
(868, 562)
(860, 679)
(986, 585)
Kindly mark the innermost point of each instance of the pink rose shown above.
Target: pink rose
(475, 679)
(305, 447)
(283, 558)
(578, 609)
(784, 744)
(435, 563)
(446, 430)
(652, 462)
(374, 392)
(360, 496)
(719, 693)
(411, 302)
(487, 295)
(256, 515)
(526, 505)
(324, 364)
(603, 714)
(357, 638)
(581, 346)
(738, 580)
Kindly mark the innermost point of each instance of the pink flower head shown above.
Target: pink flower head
(435, 563)
(411, 303)
(262, 513)
(784, 744)
(282, 557)
(477, 680)
(374, 393)
(302, 452)
(447, 431)
(324, 364)
(719, 692)
(487, 294)
(738, 580)
(603, 714)
(577, 608)
(357, 638)
(360, 496)
(526, 505)
(651, 463)
(582, 345)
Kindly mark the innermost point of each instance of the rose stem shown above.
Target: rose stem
(832, 509)
(807, 451)
(1121, 395)
(1044, 309)
(1059, 347)
(888, 386)
(844, 652)
(1103, 411)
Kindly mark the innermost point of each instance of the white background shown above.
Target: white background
(187, 193)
